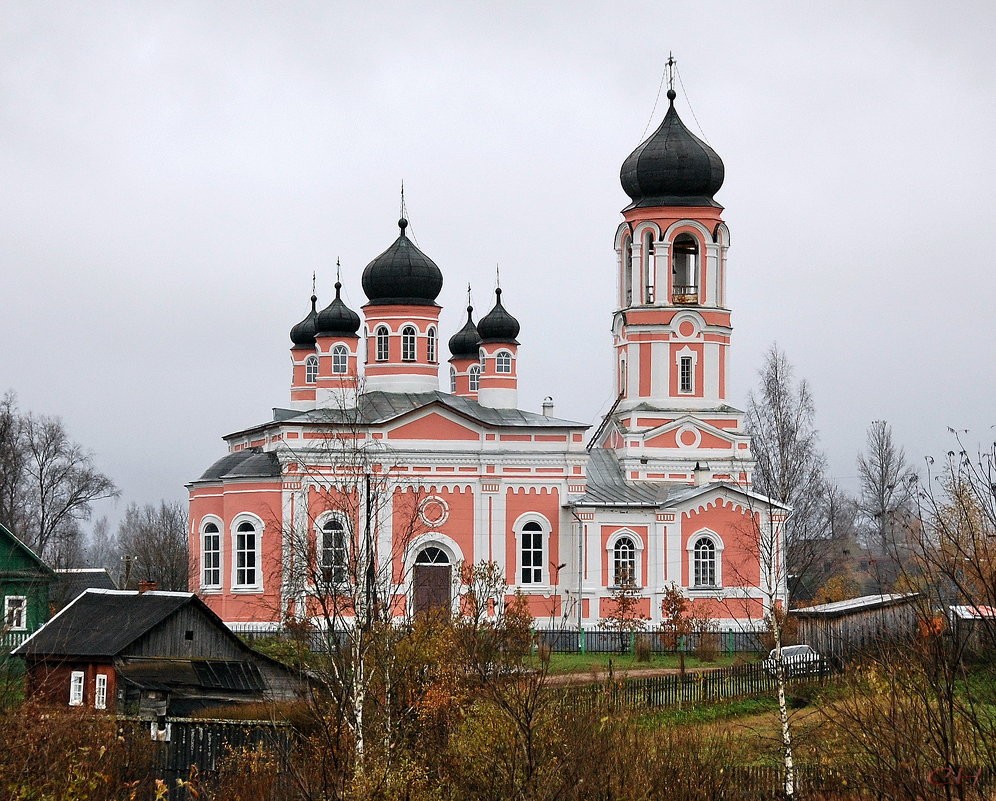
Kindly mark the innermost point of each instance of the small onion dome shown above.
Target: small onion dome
(465, 342)
(303, 334)
(337, 317)
(402, 275)
(498, 325)
(673, 167)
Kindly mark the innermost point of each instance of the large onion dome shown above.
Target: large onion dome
(303, 334)
(673, 167)
(337, 317)
(498, 325)
(465, 342)
(402, 275)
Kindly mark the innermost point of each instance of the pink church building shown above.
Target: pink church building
(370, 456)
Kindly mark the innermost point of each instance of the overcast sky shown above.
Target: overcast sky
(172, 173)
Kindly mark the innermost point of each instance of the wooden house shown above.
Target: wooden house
(843, 628)
(152, 654)
(24, 590)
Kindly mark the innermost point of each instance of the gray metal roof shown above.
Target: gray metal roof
(249, 463)
(864, 603)
(608, 486)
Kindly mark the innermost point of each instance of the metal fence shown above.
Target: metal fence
(600, 641)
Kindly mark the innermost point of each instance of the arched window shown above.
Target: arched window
(408, 343)
(452, 378)
(624, 562)
(210, 556)
(627, 273)
(383, 351)
(531, 553)
(340, 359)
(246, 556)
(311, 369)
(684, 269)
(648, 267)
(430, 345)
(334, 551)
(432, 556)
(474, 377)
(503, 362)
(704, 563)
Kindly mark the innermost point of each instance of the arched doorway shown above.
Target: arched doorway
(431, 579)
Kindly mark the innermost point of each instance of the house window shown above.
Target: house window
(685, 382)
(383, 351)
(624, 562)
(408, 343)
(503, 362)
(531, 552)
(76, 688)
(704, 563)
(474, 377)
(246, 556)
(100, 692)
(311, 369)
(340, 359)
(430, 345)
(452, 378)
(334, 551)
(211, 556)
(15, 612)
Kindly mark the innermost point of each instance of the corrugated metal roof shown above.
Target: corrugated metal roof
(607, 486)
(865, 602)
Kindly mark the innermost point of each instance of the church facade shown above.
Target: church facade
(372, 475)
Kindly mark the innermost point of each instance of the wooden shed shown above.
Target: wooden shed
(842, 628)
(151, 653)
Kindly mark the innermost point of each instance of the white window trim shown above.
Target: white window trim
(320, 524)
(23, 606)
(257, 523)
(221, 566)
(311, 369)
(414, 343)
(453, 379)
(499, 356)
(387, 343)
(546, 531)
(431, 343)
(684, 353)
(76, 681)
(610, 547)
(717, 541)
(340, 349)
(474, 377)
(100, 692)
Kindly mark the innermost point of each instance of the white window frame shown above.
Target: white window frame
(542, 579)
(15, 605)
(217, 567)
(257, 584)
(717, 544)
(503, 361)
(100, 691)
(340, 360)
(453, 379)
(382, 344)
(686, 375)
(311, 370)
(409, 343)
(322, 549)
(610, 547)
(77, 679)
(430, 345)
(474, 377)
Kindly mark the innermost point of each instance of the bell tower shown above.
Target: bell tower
(672, 329)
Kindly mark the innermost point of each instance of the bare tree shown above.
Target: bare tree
(888, 484)
(155, 539)
(48, 483)
(791, 467)
(102, 546)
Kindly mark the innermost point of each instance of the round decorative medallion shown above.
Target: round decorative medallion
(688, 437)
(433, 511)
(686, 328)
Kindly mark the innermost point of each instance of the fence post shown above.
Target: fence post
(583, 641)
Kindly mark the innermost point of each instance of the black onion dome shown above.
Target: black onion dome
(498, 325)
(303, 334)
(466, 341)
(402, 275)
(337, 317)
(673, 167)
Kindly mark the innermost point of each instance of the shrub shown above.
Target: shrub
(644, 651)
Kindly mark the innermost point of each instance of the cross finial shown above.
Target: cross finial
(314, 276)
(468, 293)
(671, 63)
(338, 269)
(497, 276)
(403, 210)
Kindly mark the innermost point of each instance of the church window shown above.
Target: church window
(340, 359)
(624, 562)
(452, 378)
(531, 553)
(704, 563)
(648, 268)
(627, 272)
(684, 269)
(408, 343)
(334, 551)
(311, 369)
(211, 556)
(685, 375)
(503, 362)
(474, 376)
(430, 345)
(246, 556)
(383, 352)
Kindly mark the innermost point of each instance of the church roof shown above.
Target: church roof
(402, 275)
(250, 463)
(608, 486)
